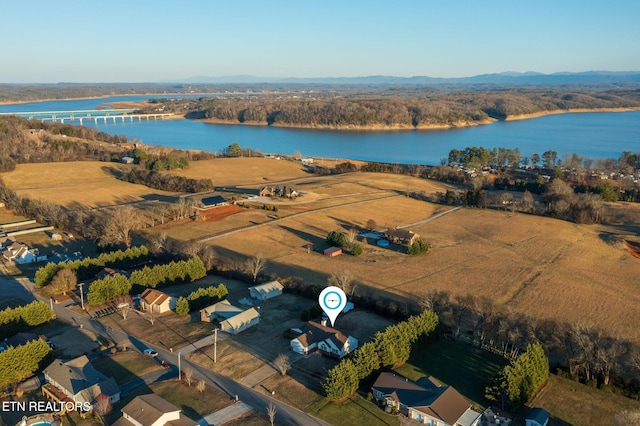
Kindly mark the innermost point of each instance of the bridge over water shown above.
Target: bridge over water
(88, 114)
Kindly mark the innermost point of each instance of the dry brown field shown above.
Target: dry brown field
(81, 184)
(243, 171)
(539, 266)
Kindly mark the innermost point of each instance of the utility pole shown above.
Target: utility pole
(81, 295)
(215, 345)
(179, 369)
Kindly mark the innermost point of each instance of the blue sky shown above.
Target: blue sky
(161, 40)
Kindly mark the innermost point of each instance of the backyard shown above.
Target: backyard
(469, 370)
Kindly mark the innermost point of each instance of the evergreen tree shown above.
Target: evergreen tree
(182, 306)
(342, 381)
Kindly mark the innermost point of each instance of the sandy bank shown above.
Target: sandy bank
(373, 128)
(567, 111)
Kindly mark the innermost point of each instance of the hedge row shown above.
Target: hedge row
(16, 364)
(387, 348)
(109, 288)
(22, 318)
(88, 267)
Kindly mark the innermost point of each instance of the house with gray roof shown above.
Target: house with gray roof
(266, 291)
(241, 321)
(152, 410)
(219, 311)
(426, 401)
(78, 381)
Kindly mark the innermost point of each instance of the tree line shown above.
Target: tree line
(89, 266)
(16, 364)
(165, 182)
(404, 110)
(389, 348)
(22, 318)
(201, 298)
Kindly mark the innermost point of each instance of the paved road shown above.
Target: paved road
(285, 413)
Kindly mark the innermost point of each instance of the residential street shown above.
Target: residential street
(285, 413)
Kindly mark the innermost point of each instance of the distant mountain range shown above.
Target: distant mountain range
(595, 77)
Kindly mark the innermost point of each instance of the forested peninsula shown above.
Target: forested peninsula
(404, 111)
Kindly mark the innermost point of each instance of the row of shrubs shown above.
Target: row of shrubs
(88, 267)
(22, 318)
(110, 288)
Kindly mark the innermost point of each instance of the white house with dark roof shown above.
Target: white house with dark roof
(78, 381)
(327, 340)
(425, 401)
(266, 291)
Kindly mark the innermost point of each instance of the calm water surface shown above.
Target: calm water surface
(595, 135)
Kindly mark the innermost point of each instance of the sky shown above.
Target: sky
(44, 41)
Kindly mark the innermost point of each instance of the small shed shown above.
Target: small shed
(127, 160)
(332, 251)
(56, 236)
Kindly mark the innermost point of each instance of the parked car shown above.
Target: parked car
(151, 353)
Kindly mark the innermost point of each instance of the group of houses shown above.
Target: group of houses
(79, 382)
(233, 319)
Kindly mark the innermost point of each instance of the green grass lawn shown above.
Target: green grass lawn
(355, 411)
(454, 363)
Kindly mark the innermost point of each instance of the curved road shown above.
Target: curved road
(285, 413)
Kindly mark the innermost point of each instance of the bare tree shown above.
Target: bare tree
(201, 386)
(157, 241)
(206, 253)
(255, 265)
(182, 208)
(371, 225)
(434, 300)
(351, 235)
(151, 316)
(527, 201)
(607, 355)
(101, 408)
(65, 280)
(344, 280)
(282, 364)
(188, 375)
(124, 304)
(271, 412)
(118, 225)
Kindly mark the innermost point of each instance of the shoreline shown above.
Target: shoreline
(449, 126)
(528, 116)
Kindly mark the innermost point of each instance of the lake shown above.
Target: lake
(594, 135)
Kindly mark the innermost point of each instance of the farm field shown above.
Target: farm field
(75, 185)
(540, 266)
(243, 171)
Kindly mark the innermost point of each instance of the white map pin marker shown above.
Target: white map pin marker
(332, 301)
